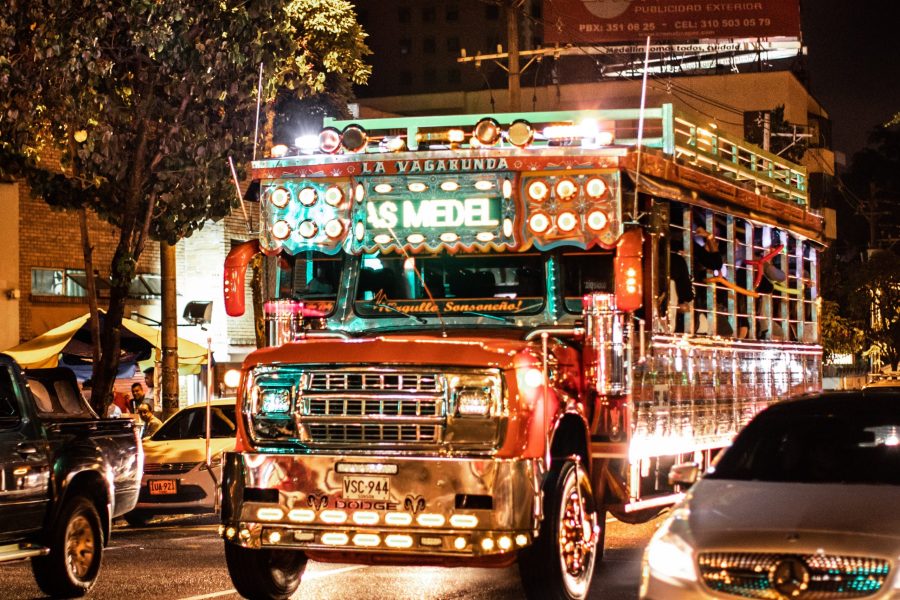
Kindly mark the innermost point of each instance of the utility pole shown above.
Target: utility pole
(512, 58)
(169, 383)
(512, 41)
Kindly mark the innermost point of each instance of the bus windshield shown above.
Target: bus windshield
(462, 283)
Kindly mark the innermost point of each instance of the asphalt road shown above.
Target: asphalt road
(182, 558)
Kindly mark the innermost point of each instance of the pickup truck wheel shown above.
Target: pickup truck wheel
(560, 563)
(76, 549)
(264, 574)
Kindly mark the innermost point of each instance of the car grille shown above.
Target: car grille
(777, 576)
(169, 468)
(387, 407)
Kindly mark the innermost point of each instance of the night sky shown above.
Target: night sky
(853, 65)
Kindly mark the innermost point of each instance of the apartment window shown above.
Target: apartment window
(403, 14)
(57, 282)
(452, 13)
(430, 76)
(492, 12)
(453, 76)
(429, 14)
(405, 46)
(406, 78)
(145, 285)
(453, 45)
(429, 45)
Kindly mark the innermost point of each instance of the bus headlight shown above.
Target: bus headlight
(477, 409)
(476, 395)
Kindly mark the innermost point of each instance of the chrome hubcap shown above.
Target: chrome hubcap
(79, 547)
(578, 534)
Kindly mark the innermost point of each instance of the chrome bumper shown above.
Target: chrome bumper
(434, 506)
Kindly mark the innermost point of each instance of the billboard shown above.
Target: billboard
(612, 21)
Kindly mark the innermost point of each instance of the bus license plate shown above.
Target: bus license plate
(161, 487)
(367, 487)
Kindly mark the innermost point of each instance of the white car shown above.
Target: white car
(176, 478)
(804, 504)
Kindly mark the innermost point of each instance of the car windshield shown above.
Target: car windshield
(827, 446)
(190, 423)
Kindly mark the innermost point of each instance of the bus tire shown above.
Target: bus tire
(264, 574)
(71, 567)
(555, 570)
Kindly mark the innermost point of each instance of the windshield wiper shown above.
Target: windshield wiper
(416, 318)
(475, 313)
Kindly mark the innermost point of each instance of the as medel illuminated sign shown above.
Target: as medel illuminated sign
(434, 211)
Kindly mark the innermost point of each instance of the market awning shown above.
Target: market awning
(72, 340)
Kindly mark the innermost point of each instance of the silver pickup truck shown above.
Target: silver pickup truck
(64, 476)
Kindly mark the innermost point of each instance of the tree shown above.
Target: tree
(146, 100)
(876, 305)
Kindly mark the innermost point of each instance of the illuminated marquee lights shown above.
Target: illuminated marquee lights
(595, 187)
(597, 220)
(539, 223)
(566, 221)
(538, 190)
(280, 197)
(334, 229)
(360, 192)
(449, 186)
(566, 189)
(281, 230)
(334, 196)
(417, 186)
(308, 228)
(308, 196)
(484, 185)
(384, 188)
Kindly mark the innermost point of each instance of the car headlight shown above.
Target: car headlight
(669, 556)
(215, 462)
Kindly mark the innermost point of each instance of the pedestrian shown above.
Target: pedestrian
(138, 397)
(151, 423)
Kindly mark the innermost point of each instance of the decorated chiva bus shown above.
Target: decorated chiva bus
(488, 333)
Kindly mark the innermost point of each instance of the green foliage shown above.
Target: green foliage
(840, 335)
(146, 100)
(875, 305)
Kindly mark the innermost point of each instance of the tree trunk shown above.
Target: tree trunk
(94, 320)
(169, 383)
(111, 343)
